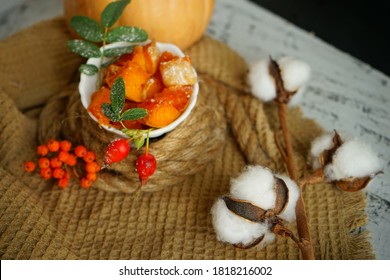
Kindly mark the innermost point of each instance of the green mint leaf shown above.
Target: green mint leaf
(109, 113)
(84, 48)
(117, 51)
(127, 34)
(117, 96)
(112, 12)
(87, 28)
(88, 69)
(134, 114)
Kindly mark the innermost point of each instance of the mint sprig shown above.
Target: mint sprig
(93, 33)
(113, 111)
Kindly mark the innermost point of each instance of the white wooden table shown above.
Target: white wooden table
(344, 93)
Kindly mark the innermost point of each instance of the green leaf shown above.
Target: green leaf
(134, 114)
(139, 142)
(84, 48)
(117, 96)
(137, 135)
(87, 28)
(127, 34)
(112, 12)
(88, 69)
(109, 113)
(117, 51)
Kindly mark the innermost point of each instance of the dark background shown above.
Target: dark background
(357, 27)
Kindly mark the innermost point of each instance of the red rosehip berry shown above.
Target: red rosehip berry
(116, 151)
(145, 165)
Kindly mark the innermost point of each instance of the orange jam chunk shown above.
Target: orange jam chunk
(95, 107)
(166, 106)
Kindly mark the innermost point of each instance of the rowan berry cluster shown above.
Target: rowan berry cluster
(58, 160)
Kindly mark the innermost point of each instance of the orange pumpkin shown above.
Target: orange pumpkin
(180, 22)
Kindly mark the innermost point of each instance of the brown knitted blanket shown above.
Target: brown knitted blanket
(171, 218)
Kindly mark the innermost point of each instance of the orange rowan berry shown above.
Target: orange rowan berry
(65, 145)
(89, 157)
(71, 160)
(63, 182)
(80, 151)
(53, 145)
(55, 162)
(29, 166)
(42, 150)
(91, 177)
(43, 163)
(45, 173)
(92, 167)
(63, 156)
(85, 183)
(58, 173)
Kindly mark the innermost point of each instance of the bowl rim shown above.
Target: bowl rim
(87, 86)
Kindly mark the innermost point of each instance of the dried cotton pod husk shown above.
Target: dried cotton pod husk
(347, 162)
(257, 201)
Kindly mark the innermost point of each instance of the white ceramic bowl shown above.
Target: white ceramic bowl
(87, 87)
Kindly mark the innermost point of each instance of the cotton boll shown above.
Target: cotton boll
(297, 97)
(295, 73)
(255, 184)
(353, 159)
(269, 237)
(319, 145)
(261, 82)
(233, 229)
(289, 213)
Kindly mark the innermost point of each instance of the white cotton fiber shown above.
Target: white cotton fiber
(255, 184)
(353, 159)
(233, 229)
(319, 145)
(295, 73)
(289, 213)
(297, 97)
(260, 81)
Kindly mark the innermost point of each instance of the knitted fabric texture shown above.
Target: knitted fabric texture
(171, 219)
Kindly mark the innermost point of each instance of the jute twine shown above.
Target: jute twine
(180, 153)
(228, 130)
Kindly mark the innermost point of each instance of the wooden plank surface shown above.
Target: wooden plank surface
(344, 93)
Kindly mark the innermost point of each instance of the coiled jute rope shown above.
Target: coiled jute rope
(179, 154)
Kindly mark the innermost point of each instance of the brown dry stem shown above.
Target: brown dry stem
(300, 212)
(282, 99)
